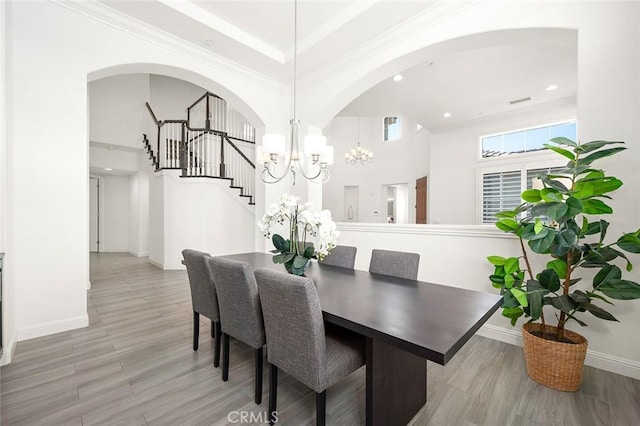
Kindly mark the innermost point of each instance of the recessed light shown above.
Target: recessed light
(208, 42)
(397, 77)
(108, 169)
(446, 115)
(551, 87)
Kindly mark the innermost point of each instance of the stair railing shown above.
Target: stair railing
(204, 152)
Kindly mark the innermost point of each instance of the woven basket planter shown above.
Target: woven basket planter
(555, 365)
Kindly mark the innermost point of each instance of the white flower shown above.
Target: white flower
(314, 224)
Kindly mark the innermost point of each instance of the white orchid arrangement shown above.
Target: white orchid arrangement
(295, 252)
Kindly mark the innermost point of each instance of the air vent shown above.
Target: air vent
(517, 101)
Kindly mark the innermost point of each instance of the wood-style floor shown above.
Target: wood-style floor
(134, 365)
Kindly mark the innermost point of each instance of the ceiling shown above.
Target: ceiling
(472, 79)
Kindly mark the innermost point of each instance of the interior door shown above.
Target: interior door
(94, 214)
(421, 200)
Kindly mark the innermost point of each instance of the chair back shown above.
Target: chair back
(203, 292)
(395, 263)
(293, 324)
(342, 256)
(240, 310)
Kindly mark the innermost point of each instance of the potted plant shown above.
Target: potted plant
(295, 252)
(562, 221)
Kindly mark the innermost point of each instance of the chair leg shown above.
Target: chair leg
(213, 329)
(216, 354)
(196, 329)
(321, 408)
(273, 393)
(225, 357)
(258, 378)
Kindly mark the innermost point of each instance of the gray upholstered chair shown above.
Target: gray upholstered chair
(297, 341)
(395, 263)
(342, 256)
(240, 312)
(203, 297)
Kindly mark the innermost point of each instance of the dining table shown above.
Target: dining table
(404, 322)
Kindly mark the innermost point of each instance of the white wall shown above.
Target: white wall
(454, 186)
(394, 162)
(118, 115)
(171, 97)
(115, 211)
(198, 213)
(138, 214)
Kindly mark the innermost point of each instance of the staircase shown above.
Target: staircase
(213, 142)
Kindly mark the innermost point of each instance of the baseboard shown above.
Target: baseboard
(614, 364)
(112, 250)
(138, 254)
(8, 350)
(156, 263)
(45, 329)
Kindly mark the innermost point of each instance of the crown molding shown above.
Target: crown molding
(215, 23)
(120, 21)
(392, 43)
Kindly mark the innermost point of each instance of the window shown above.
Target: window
(527, 140)
(501, 190)
(391, 128)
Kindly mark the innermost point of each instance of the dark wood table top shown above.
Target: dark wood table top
(429, 320)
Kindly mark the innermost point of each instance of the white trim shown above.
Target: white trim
(156, 263)
(52, 327)
(8, 350)
(114, 250)
(138, 253)
(595, 359)
(138, 28)
(88, 285)
(485, 231)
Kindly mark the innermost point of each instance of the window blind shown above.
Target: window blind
(500, 191)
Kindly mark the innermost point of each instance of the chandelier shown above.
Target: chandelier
(311, 162)
(358, 154)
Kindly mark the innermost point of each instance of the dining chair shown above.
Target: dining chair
(297, 341)
(395, 263)
(240, 312)
(203, 298)
(342, 256)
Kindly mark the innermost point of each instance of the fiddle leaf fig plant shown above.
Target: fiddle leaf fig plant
(563, 222)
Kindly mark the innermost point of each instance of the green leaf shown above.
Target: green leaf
(620, 289)
(308, 252)
(283, 257)
(561, 151)
(594, 206)
(598, 312)
(278, 242)
(496, 260)
(594, 187)
(554, 184)
(582, 323)
(511, 265)
(535, 305)
(608, 272)
(574, 206)
(300, 262)
(600, 154)
(509, 300)
(629, 242)
(597, 296)
(520, 296)
(594, 145)
(579, 297)
(563, 303)
(513, 314)
(559, 266)
(564, 141)
(549, 279)
(507, 214)
(530, 233)
(531, 195)
(507, 225)
(542, 245)
(551, 194)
